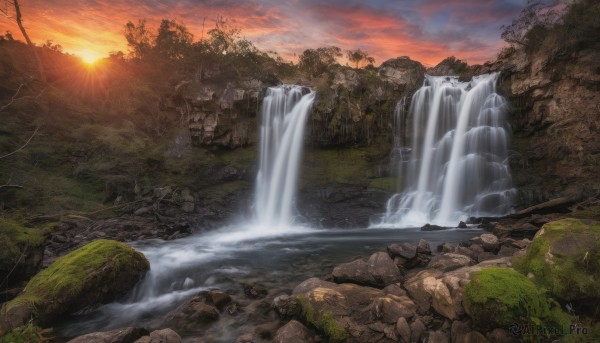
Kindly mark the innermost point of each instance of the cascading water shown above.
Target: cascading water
(458, 165)
(284, 113)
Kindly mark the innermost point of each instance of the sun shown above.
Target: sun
(89, 57)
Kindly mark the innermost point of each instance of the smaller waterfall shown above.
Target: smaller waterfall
(458, 164)
(284, 113)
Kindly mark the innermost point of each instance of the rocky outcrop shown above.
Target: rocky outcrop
(554, 93)
(122, 335)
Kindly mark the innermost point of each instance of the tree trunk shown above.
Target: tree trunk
(33, 49)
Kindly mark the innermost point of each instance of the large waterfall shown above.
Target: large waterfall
(284, 113)
(458, 164)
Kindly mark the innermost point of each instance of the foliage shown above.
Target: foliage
(139, 39)
(29, 333)
(359, 57)
(173, 39)
(316, 61)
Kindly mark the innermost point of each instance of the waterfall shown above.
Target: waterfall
(458, 164)
(284, 113)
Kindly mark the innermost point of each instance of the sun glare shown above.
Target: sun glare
(89, 57)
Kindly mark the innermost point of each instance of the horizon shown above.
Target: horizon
(426, 31)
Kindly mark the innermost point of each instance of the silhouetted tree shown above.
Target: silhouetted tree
(173, 40)
(358, 57)
(139, 39)
(19, 20)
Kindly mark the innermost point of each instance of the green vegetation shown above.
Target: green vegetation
(29, 333)
(322, 321)
(21, 250)
(95, 273)
(564, 257)
(499, 297)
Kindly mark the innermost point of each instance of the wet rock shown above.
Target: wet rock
(446, 247)
(383, 269)
(219, 298)
(310, 284)
(161, 336)
(247, 337)
(462, 225)
(294, 332)
(122, 335)
(266, 331)
(403, 330)
(449, 261)
(431, 227)
(286, 306)
(255, 291)
(489, 242)
(196, 312)
(355, 272)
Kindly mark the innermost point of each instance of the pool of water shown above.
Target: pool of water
(228, 257)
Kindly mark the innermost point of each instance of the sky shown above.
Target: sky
(425, 30)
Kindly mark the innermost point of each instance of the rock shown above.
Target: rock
(423, 247)
(161, 336)
(475, 337)
(310, 284)
(122, 335)
(459, 331)
(266, 331)
(521, 244)
(247, 337)
(489, 242)
(255, 291)
(286, 306)
(404, 250)
(507, 251)
(421, 286)
(498, 297)
(355, 272)
(449, 262)
(402, 72)
(462, 225)
(294, 332)
(195, 313)
(390, 309)
(394, 289)
(94, 274)
(446, 247)
(431, 227)
(437, 337)
(556, 259)
(383, 269)
(417, 328)
(403, 330)
(501, 336)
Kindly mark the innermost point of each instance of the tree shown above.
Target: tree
(223, 37)
(139, 39)
(19, 20)
(173, 40)
(358, 57)
(316, 61)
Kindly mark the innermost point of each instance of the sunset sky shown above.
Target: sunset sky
(425, 30)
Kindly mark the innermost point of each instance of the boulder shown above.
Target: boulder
(286, 306)
(97, 273)
(355, 272)
(489, 242)
(417, 329)
(390, 308)
(449, 262)
(458, 331)
(310, 284)
(383, 269)
(438, 336)
(432, 227)
(564, 257)
(294, 332)
(423, 247)
(402, 72)
(403, 330)
(196, 312)
(255, 291)
(122, 335)
(404, 250)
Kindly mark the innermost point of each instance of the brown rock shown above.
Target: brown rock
(294, 332)
(403, 330)
(383, 269)
(417, 328)
(122, 335)
(161, 336)
(354, 272)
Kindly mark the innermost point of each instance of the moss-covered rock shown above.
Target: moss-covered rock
(93, 274)
(21, 252)
(564, 257)
(323, 319)
(499, 297)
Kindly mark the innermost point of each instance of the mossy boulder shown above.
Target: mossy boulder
(94, 274)
(500, 297)
(564, 257)
(21, 252)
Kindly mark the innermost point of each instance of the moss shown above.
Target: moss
(92, 274)
(500, 297)
(29, 333)
(571, 275)
(385, 183)
(218, 193)
(322, 321)
(17, 244)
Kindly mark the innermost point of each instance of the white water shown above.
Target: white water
(284, 113)
(458, 164)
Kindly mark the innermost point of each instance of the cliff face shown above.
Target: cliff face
(555, 97)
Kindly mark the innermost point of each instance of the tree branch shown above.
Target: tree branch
(8, 185)
(23, 97)
(23, 146)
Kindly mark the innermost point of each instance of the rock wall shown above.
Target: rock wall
(555, 97)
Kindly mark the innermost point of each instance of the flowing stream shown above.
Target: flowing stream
(458, 164)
